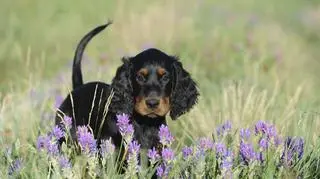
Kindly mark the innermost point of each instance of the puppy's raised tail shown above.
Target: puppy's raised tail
(76, 69)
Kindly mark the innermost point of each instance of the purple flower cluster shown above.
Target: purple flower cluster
(187, 152)
(261, 127)
(133, 165)
(86, 140)
(264, 143)
(205, 143)
(227, 163)
(266, 130)
(221, 149)
(167, 154)
(163, 170)
(134, 147)
(247, 152)
(293, 150)
(224, 128)
(67, 121)
(267, 137)
(153, 155)
(48, 144)
(253, 148)
(245, 134)
(165, 136)
(125, 128)
(57, 132)
(168, 157)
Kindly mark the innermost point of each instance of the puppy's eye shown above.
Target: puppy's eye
(165, 77)
(140, 78)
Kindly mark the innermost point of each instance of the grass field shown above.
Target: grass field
(252, 59)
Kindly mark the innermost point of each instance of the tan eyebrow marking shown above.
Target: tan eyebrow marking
(161, 71)
(143, 71)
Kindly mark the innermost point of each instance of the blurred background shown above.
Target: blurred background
(252, 59)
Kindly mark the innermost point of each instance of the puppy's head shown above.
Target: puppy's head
(153, 83)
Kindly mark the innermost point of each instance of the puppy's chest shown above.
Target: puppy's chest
(147, 136)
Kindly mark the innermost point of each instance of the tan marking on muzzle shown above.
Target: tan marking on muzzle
(161, 110)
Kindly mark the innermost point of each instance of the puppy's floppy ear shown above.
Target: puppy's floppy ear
(184, 93)
(122, 101)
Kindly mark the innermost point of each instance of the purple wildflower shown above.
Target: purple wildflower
(106, 148)
(296, 144)
(199, 153)
(186, 152)
(134, 147)
(227, 125)
(64, 162)
(46, 143)
(259, 156)
(221, 149)
(245, 134)
(165, 135)
(224, 128)
(246, 152)
(133, 164)
(15, 166)
(153, 155)
(160, 171)
(57, 132)
(226, 164)
(205, 143)
(293, 151)
(163, 170)
(43, 142)
(53, 149)
(167, 155)
(263, 143)
(227, 161)
(125, 128)
(266, 129)
(86, 140)
(271, 131)
(122, 119)
(67, 121)
(261, 127)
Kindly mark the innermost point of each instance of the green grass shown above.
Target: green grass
(252, 59)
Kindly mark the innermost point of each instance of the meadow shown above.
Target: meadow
(256, 63)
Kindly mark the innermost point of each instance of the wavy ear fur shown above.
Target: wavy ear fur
(122, 101)
(185, 93)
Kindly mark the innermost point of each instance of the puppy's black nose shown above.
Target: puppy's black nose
(152, 103)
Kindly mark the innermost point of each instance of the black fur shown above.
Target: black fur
(185, 93)
(87, 103)
(76, 70)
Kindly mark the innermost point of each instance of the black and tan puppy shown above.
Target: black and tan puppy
(146, 87)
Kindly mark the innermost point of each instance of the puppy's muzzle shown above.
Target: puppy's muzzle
(152, 103)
